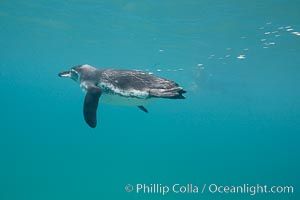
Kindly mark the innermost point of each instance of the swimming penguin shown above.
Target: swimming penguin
(121, 87)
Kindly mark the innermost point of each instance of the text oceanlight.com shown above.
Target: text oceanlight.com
(177, 188)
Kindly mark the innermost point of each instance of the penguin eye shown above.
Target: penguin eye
(74, 75)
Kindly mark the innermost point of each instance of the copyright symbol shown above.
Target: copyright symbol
(129, 188)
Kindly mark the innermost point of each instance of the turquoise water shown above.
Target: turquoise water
(238, 60)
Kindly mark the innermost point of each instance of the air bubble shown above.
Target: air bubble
(241, 56)
(296, 33)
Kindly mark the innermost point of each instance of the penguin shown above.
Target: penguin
(119, 87)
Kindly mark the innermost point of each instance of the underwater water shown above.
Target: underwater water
(238, 60)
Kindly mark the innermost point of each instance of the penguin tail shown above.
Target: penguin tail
(174, 93)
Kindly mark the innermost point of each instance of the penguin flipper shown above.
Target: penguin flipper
(91, 104)
(143, 109)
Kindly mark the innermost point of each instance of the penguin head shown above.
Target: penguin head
(77, 72)
(73, 74)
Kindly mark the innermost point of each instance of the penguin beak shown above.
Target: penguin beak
(65, 74)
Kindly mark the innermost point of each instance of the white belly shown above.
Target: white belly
(126, 101)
